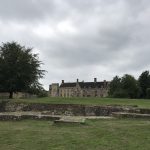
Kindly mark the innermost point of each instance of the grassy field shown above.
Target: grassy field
(143, 103)
(113, 134)
(95, 135)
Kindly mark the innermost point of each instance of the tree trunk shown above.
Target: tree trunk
(10, 95)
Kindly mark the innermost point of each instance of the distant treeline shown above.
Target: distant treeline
(128, 87)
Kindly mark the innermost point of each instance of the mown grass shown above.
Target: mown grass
(95, 135)
(143, 103)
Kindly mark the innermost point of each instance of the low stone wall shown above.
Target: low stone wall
(24, 115)
(64, 109)
(144, 111)
(5, 95)
(69, 109)
(130, 115)
(3, 105)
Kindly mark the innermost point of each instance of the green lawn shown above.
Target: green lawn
(143, 103)
(95, 135)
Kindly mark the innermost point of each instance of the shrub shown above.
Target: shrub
(148, 93)
(42, 93)
(120, 94)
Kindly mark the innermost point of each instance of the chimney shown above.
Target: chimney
(95, 80)
(77, 80)
(62, 81)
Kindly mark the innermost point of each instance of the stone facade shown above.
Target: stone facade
(79, 89)
(54, 90)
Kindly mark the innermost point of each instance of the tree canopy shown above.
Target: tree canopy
(115, 85)
(144, 82)
(19, 68)
(127, 86)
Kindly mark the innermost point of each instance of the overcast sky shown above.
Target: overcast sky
(81, 38)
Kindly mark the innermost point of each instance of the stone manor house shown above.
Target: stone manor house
(79, 89)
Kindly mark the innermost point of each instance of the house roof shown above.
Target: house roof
(85, 84)
(68, 84)
(91, 84)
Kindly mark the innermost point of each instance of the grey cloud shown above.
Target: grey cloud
(108, 37)
(29, 10)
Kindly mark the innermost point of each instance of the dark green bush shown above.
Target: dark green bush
(120, 94)
(148, 93)
(42, 93)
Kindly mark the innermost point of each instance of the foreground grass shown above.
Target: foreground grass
(95, 135)
(143, 103)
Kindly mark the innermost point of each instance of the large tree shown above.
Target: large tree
(144, 83)
(115, 86)
(129, 86)
(19, 68)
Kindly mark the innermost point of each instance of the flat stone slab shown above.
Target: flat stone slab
(78, 119)
(130, 115)
(70, 120)
(99, 117)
